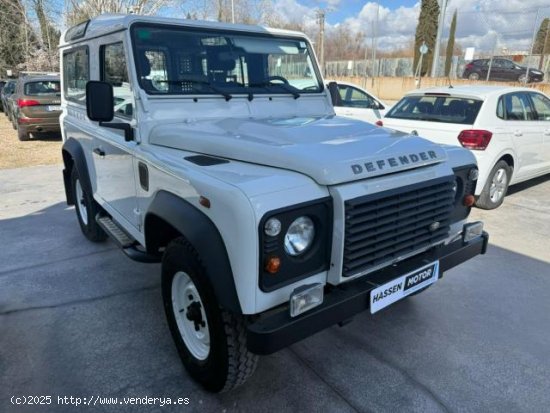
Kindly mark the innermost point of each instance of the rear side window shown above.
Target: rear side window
(76, 72)
(42, 88)
(445, 109)
(515, 106)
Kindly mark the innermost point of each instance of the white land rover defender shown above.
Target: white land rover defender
(214, 149)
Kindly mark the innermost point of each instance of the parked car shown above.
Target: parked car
(2, 83)
(37, 105)
(351, 101)
(506, 128)
(501, 69)
(7, 91)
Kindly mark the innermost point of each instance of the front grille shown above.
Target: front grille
(386, 226)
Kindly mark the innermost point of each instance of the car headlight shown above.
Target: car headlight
(299, 236)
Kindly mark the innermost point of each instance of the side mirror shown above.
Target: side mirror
(334, 94)
(99, 101)
(100, 107)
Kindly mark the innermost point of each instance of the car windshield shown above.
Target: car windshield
(185, 61)
(447, 109)
(42, 88)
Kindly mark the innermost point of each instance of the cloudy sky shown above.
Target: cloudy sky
(481, 23)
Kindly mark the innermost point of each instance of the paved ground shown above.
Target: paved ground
(78, 319)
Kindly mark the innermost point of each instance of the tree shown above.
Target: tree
(426, 31)
(16, 35)
(82, 10)
(542, 41)
(450, 46)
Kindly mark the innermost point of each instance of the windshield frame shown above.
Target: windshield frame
(247, 91)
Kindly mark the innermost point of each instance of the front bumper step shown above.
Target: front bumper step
(277, 330)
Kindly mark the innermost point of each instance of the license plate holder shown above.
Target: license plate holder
(402, 286)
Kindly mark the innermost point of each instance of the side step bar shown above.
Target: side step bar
(124, 241)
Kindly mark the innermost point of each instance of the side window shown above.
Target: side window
(343, 90)
(76, 73)
(517, 107)
(115, 71)
(542, 106)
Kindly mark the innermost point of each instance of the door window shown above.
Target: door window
(77, 73)
(516, 107)
(542, 106)
(355, 98)
(115, 71)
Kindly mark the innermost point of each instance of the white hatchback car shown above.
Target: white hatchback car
(353, 102)
(507, 129)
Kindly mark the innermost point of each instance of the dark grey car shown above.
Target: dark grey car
(6, 92)
(501, 69)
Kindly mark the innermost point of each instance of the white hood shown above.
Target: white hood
(331, 150)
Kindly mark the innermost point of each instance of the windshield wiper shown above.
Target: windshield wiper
(213, 88)
(290, 89)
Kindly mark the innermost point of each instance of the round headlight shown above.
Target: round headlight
(299, 236)
(272, 227)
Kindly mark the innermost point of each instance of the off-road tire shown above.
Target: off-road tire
(484, 200)
(228, 363)
(91, 228)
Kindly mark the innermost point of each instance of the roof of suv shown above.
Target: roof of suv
(109, 23)
(36, 78)
(469, 91)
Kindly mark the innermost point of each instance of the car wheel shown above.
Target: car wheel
(522, 78)
(496, 186)
(473, 76)
(22, 135)
(86, 210)
(211, 342)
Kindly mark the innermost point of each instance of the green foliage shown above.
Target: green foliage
(450, 46)
(542, 41)
(426, 31)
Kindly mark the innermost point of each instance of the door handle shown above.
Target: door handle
(99, 152)
(518, 133)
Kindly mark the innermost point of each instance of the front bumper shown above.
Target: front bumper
(277, 330)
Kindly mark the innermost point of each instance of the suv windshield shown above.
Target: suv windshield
(447, 109)
(42, 88)
(185, 61)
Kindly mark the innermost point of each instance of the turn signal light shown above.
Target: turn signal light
(469, 200)
(475, 139)
(379, 123)
(27, 102)
(272, 265)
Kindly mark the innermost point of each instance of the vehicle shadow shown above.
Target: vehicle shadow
(46, 136)
(81, 318)
(528, 184)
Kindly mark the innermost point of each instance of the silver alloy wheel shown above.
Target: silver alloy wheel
(81, 203)
(473, 76)
(190, 316)
(522, 79)
(498, 185)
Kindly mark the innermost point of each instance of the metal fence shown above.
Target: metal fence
(403, 66)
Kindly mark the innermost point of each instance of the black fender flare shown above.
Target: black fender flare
(73, 156)
(204, 236)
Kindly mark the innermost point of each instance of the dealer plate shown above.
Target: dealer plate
(401, 287)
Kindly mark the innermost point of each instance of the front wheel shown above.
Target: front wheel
(495, 188)
(211, 342)
(522, 78)
(86, 210)
(473, 76)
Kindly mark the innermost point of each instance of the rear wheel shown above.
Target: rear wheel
(496, 186)
(211, 342)
(86, 210)
(22, 134)
(473, 76)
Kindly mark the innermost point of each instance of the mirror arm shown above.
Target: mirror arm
(126, 127)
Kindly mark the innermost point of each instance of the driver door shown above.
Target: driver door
(112, 155)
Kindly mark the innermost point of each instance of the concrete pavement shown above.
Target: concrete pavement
(80, 319)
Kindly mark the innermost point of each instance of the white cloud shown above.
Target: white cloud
(481, 23)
